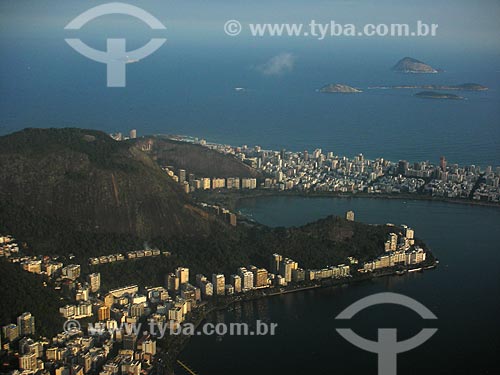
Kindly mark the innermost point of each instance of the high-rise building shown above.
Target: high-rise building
(247, 282)
(349, 215)
(149, 347)
(95, 282)
(260, 277)
(103, 313)
(207, 289)
(28, 362)
(218, 282)
(298, 275)
(392, 242)
(109, 300)
(172, 282)
(236, 283)
(129, 341)
(286, 268)
(182, 176)
(71, 271)
(26, 324)
(442, 163)
(205, 183)
(133, 134)
(218, 183)
(183, 274)
(248, 183)
(275, 263)
(10, 332)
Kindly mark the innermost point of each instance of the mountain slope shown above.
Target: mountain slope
(97, 184)
(196, 159)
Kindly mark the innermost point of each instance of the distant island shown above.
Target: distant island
(339, 88)
(411, 65)
(438, 95)
(461, 87)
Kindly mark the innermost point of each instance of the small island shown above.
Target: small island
(339, 88)
(438, 95)
(411, 65)
(461, 87)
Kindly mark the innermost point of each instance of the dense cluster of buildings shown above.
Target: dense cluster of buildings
(399, 250)
(111, 347)
(191, 183)
(327, 172)
(103, 259)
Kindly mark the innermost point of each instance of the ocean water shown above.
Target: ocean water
(188, 88)
(462, 292)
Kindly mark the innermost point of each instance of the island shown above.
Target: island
(461, 87)
(411, 65)
(438, 95)
(333, 88)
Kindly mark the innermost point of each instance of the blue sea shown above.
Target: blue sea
(188, 88)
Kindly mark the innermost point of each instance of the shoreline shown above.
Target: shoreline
(235, 197)
(272, 292)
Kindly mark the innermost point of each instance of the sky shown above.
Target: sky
(471, 23)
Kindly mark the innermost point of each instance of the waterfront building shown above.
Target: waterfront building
(207, 289)
(247, 282)
(286, 268)
(218, 282)
(275, 263)
(236, 283)
(260, 276)
(218, 183)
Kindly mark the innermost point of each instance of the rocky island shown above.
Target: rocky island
(411, 65)
(339, 88)
(438, 95)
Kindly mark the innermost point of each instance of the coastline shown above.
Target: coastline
(223, 303)
(235, 197)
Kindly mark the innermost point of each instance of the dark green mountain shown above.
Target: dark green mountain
(196, 159)
(93, 183)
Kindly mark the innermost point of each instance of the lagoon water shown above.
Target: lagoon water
(463, 292)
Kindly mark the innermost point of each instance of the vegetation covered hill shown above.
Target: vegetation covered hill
(23, 291)
(194, 158)
(90, 182)
(75, 191)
